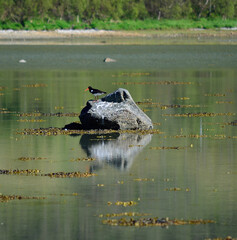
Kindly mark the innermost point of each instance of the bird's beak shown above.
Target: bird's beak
(87, 89)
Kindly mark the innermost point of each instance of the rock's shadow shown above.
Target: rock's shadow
(115, 149)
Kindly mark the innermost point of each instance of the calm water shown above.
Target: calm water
(145, 169)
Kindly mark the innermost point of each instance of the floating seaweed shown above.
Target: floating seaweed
(5, 111)
(83, 159)
(214, 95)
(161, 222)
(219, 238)
(124, 204)
(144, 179)
(134, 74)
(20, 172)
(166, 106)
(36, 85)
(7, 198)
(205, 114)
(38, 114)
(177, 189)
(183, 98)
(153, 83)
(69, 175)
(190, 136)
(30, 158)
(60, 131)
(224, 102)
(69, 194)
(128, 214)
(58, 107)
(31, 120)
(166, 148)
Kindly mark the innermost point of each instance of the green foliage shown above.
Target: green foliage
(116, 14)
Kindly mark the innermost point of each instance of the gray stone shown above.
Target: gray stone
(116, 110)
(109, 60)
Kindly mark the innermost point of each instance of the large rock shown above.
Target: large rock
(115, 111)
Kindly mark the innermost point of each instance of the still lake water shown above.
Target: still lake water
(189, 171)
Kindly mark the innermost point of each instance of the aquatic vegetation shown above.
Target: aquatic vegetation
(83, 159)
(224, 102)
(220, 238)
(69, 175)
(36, 85)
(30, 158)
(129, 214)
(100, 185)
(190, 136)
(134, 74)
(124, 204)
(166, 148)
(38, 114)
(31, 120)
(162, 222)
(153, 83)
(144, 179)
(177, 189)
(205, 114)
(58, 107)
(20, 172)
(183, 98)
(5, 111)
(166, 106)
(36, 172)
(69, 194)
(7, 198)
(60, 131)
(214, 94)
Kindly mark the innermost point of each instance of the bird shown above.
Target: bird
(95, 92)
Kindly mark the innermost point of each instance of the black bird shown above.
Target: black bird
(95, 92)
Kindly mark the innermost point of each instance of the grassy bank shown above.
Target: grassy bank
(148, 24)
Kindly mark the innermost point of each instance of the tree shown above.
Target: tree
(225, 8)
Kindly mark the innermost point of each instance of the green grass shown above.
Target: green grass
(148, 24)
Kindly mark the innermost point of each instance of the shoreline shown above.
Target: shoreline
(111, 37)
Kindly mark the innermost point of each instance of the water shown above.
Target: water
(189, 171)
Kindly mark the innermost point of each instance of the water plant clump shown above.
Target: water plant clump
(161, 222)
(7, 198)
(69, 174)
(20, 172)
(60, 131)
(205, 114)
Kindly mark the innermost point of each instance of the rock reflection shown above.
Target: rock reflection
(116, 149)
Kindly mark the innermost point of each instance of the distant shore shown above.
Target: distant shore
(103, 37)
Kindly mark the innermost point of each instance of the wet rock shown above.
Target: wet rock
(73, 126)
(117, 111)
(108, 60)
